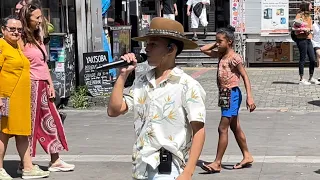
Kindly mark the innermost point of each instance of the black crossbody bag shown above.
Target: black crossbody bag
(224, 93)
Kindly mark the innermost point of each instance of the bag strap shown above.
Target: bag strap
(218, 82)
(3, 60)
(20, 74)
(229, 58)
(44, 55)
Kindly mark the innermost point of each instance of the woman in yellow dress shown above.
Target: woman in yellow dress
(15, 85)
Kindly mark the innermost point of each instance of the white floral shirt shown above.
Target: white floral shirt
(162, 117)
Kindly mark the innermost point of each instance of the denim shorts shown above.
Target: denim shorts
(235, 103)
(153, 174)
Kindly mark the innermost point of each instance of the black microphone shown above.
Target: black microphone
(121, 63)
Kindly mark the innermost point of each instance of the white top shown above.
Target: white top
(162, 116)
(194, 2)
(316, 35)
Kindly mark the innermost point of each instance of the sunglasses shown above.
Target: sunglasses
(14, 29)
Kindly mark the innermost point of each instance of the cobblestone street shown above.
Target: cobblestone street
(273, 89)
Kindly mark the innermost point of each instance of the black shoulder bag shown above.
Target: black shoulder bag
(197, 9)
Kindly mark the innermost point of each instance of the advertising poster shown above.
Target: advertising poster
(274, 17)
(237, 15)
(272, 52)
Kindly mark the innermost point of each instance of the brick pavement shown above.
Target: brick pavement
(273, 89)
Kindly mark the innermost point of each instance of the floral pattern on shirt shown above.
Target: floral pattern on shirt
(229, 76)
(162, 116)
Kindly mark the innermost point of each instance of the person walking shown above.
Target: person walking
(230, 69)
(198, 14)
(169, 8)
(15, 100)
(47, 127)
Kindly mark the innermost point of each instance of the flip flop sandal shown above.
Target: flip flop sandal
(209, 170)
(242, 166)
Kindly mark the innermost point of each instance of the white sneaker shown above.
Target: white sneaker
(314, 81)
(4, 175)
(304, 82)
(60, 166)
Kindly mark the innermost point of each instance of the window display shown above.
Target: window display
(53, 10)
(272, 52)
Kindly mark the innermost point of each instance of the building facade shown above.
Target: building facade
(267, 30)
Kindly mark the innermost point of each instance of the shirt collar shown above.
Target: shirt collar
(174, 75)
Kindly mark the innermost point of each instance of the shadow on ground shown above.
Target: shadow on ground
(317, 171)
(315, 103)
(224, 166)
(284, 82)
(12, 166)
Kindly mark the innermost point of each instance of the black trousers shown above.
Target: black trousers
(306, 48)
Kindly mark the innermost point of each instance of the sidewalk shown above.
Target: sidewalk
(273, 89)
(285, 146)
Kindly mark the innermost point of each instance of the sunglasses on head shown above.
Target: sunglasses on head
(13, 29)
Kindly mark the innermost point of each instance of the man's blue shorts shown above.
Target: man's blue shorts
(235, 103)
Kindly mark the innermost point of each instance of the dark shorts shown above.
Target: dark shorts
(235, 103)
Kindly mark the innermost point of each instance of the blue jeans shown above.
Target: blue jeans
(154, 175)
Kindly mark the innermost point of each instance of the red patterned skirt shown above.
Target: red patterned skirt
(47, 127)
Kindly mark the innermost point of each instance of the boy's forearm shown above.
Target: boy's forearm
(195, 152)
(116, 98)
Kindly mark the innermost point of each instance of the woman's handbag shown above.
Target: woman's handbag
(5, 107)
(224, 98)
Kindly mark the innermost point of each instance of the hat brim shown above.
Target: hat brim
(188, 44)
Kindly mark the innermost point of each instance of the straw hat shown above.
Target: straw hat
(167, 28)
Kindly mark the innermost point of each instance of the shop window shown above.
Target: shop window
(148, 7)
(54, 11)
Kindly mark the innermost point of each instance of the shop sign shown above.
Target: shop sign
(274, 17)
(98, 82)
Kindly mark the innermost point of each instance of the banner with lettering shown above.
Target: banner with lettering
(98, 82)
(274, 17)
(238, 15)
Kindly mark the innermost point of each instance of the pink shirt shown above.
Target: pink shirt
(38, 66)
(229, 76)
